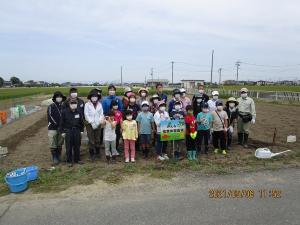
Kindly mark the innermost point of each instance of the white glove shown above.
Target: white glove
(81, 133)
(94, 126)
(230, 129)
(63, 135)
(253, 121)
(225, 129)
(211, 131)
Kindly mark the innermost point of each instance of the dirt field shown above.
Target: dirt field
(27, 141)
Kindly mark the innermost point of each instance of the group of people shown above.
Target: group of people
(136, 119)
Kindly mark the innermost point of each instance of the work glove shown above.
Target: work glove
(94, 126)
(253, 121)
(230, 129)
(63, 135)
(81, 133)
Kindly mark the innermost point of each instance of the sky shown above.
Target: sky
(89, 40)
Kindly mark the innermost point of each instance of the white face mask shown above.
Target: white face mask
(145, 108)
(111, 92)
(163, 108)
(94, 99)
(143, 94)
(58, 99)
(73, 95)
(129, 117)
(73, 106)
(155, 101)
(132, 100)
(219, 108)
(244, 95)
(231, 105)
(201, 91)
(115, 107)
(177, 96)
(183, 94)
(199, 100)
(177, 107)
(215, 97)
(205, 110)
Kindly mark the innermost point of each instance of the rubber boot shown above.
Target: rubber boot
(58, 155)
(98, 155)
(240, 138)
(194, 155)
(246, 140)
(92, 154)
(190, 155)
(54, 156)
(176, 155)
(114, 159)
(146, 153)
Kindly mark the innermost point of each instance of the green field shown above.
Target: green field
(290, 88)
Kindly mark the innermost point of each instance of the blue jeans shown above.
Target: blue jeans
(161, 146)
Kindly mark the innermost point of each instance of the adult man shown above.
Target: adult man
(111, 96)
(73, 95)
(159, 92)
(247, 115)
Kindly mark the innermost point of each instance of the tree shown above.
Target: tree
(1, 82)
(15, 81)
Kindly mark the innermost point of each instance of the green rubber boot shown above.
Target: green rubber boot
(190, 155)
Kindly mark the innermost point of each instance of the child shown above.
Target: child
(132, 105)
(110, 137)
(176, 98)
(145, 127)
(232, 113)
(204, 120)
(154, 100)
(130, 134)
(118, 118)
(161, 146)
(212, 102)
(143, 96)
(198, 101)
(71, 126)
(219, 127)
(177, 114)
(191, 126)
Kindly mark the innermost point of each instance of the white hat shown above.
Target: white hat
(145, 103)
(244, 90)
(182, 90)
(215, 93)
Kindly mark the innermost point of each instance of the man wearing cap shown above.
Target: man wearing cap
(247, 115)
(111, 96)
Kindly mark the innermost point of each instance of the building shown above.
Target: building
(154, 82)
(7, 84)
(229, 82)
(191, 84)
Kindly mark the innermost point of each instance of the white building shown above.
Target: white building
(191, 84)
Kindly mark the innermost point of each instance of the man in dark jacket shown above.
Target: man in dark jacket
(71, 127)
(159, 92)
(54, 116)
(73, 95)
(232, 112)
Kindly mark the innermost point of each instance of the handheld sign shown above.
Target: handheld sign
(172, 130)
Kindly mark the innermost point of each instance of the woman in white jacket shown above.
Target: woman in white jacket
(94, 117)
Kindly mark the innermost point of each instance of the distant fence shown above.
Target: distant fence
(265, 95)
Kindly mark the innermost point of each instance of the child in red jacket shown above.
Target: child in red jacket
(191, 133)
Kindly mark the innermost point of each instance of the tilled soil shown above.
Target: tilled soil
(27, 139)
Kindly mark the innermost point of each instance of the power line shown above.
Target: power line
(263, 65)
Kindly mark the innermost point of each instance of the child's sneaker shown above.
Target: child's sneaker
(127, 160)
(132, 160)
(160, 158)
(166, 157)
(224, 152)
(216, 151)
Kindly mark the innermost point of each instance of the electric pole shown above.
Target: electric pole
(220, 75)
(172, 72)
(122, 76)
(237, 70)
(152, 76)
(212, 67)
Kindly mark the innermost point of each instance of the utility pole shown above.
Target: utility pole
(212, 67)
(237, 70)
(220, 75)
(152, 76)
(122, 76)
(172, 72)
